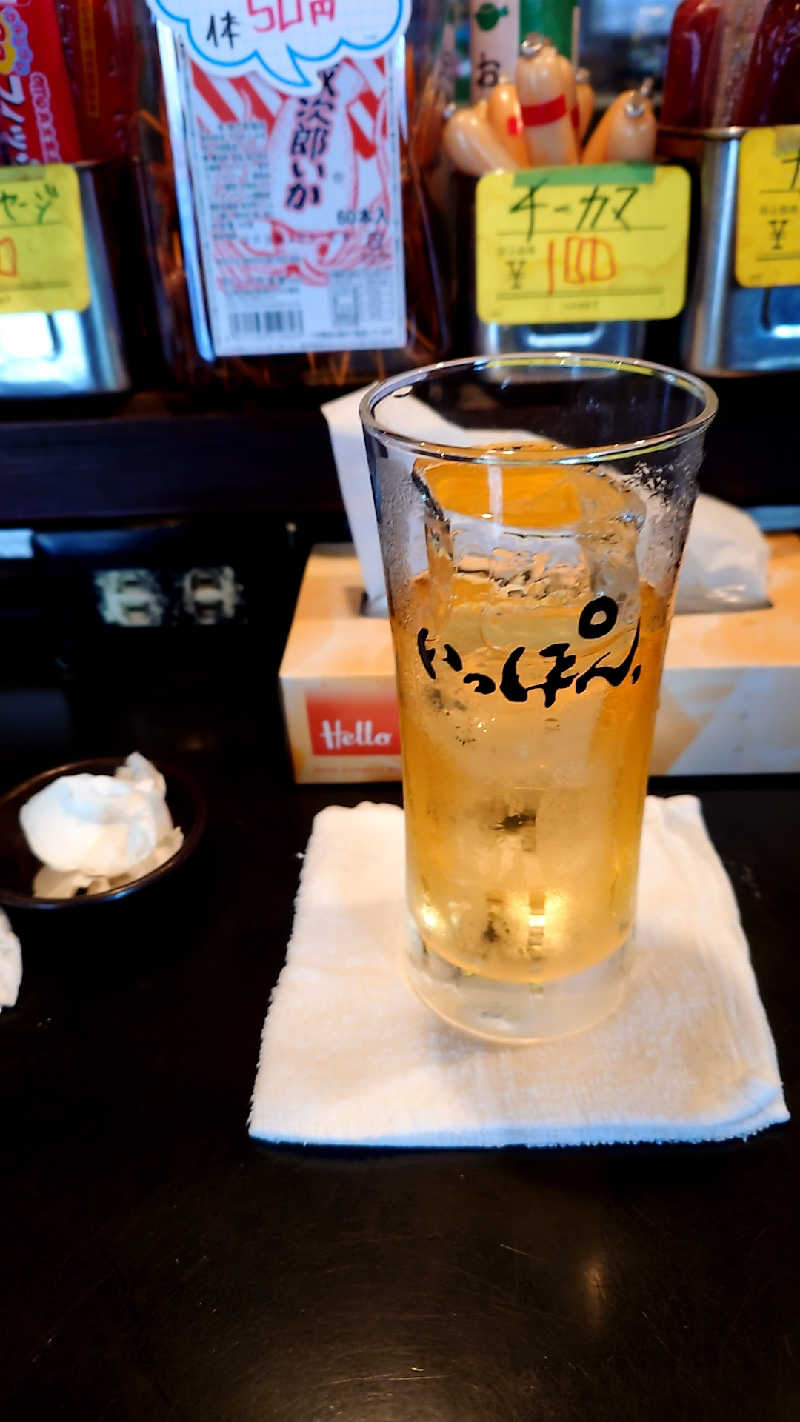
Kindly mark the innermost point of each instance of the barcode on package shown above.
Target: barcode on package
(256, 323)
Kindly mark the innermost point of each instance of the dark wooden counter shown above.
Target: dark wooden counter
(161, 455)
(158, 1266)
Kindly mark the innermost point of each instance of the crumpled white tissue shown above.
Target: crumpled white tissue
(97, 832)
(10, 963)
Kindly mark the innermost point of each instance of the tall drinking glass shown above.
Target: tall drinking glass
(532, 513)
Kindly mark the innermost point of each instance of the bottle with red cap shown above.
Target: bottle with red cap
(690, 43)
(729, 56)
(97, 37)
(771, 92)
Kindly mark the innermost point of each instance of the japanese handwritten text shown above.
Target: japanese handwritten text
(309, 143)
(597, 618)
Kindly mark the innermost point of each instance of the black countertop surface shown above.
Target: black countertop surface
(158, 1264)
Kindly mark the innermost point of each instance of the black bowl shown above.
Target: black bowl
(18, 866)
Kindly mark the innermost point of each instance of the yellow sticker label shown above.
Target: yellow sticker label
(42, 247)
(768, 208)
(596, 243)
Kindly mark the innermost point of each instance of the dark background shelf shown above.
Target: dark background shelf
(168, 482)
(163, 455)
(157, 456)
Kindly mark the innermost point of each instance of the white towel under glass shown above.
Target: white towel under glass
(349, 1056)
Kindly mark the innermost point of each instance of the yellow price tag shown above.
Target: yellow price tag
(600, 243)
(42, 247)
(768, 208)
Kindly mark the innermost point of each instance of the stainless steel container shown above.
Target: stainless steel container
(493, 339)
(72, 352)
(726, 329)
(609, 337)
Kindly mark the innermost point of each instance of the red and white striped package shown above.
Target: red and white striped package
(299, 209)
(37, 116)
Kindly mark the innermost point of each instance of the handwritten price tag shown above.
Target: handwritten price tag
(604, 243)
(768, 208)
(42, 248)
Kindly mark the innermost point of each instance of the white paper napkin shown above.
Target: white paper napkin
(350, 457)
(349, 1056)
(408, 416)
(10, 963)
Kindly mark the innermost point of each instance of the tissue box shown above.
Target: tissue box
(337, 677)
(730, 689)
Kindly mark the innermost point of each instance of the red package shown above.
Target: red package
(98, 44)
(37, 117)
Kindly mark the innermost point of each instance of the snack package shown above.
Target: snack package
(98, 46)
(37, 114)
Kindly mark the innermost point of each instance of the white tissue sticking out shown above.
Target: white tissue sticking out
(725, 564)
(10, 963)
(97, 832)
(407, 415)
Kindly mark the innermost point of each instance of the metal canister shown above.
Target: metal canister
(610, 337)
(726, 329)
(493, 338)
(46, 355)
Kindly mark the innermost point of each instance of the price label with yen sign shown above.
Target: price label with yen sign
(42, 247)
(580, 244)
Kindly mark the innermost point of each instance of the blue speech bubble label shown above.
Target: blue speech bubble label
(289, 40)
